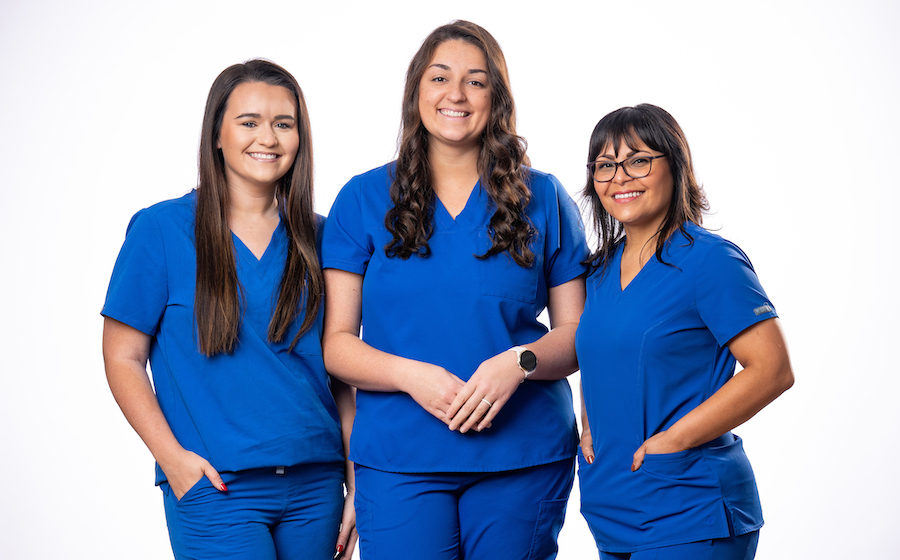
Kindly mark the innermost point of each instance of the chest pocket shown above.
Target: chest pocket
(500, 276)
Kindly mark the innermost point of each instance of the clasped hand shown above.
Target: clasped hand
(484, 395)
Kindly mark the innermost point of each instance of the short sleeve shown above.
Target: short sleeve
(138, 289)
(345, 243)
(566, 247)
(728, 293)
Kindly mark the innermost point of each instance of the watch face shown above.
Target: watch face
(528, 360)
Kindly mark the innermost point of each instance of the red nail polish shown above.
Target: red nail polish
(340, 548)
(590, 459)
(223, 488)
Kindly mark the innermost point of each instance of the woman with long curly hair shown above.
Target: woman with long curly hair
(220, 290)
(670, 309)
(464, 439)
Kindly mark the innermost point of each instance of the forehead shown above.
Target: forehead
(623, 144)
(257, 97)
(461, 53)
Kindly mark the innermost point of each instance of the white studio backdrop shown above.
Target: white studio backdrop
(792, 115)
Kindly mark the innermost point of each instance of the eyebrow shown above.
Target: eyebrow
(630, 154)
(258, 116)
(445, 67)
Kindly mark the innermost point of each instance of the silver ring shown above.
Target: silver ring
(487, 402)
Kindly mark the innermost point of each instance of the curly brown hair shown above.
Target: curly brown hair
(501, 164)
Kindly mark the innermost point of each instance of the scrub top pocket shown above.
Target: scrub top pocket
(500, 276)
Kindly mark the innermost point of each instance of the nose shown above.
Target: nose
(266, 136)
(620, 176)
(457, 94)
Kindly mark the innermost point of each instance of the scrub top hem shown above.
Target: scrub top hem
(528, 465)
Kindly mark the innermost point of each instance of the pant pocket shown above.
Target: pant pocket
(550, 520)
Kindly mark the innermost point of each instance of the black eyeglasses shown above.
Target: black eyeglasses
(636, 167)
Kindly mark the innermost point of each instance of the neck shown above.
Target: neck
(252, 202)
(640, 242)
(453, 168)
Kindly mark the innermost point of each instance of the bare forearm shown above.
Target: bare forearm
(125, 352)
(737, 401)
(354, 362)
(131, 388)
(555, 352)
(345, 399)
(767, 373)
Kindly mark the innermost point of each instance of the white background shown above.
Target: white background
(791, 109)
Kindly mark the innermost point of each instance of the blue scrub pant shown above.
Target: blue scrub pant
(262, 516)
(741, 547)
(513, 515)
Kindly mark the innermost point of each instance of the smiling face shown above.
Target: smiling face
(259, 137)
(455, 95)
(636, 203)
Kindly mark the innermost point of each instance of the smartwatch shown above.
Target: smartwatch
(526, 359)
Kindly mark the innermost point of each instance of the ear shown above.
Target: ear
(218, 144)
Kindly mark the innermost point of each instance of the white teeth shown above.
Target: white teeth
(627, 195)
(263, 156)
(449, 113)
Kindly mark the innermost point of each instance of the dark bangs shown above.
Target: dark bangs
(631, 125)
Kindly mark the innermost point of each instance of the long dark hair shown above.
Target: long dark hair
(218, 296)
(501, 163)
(659, 131)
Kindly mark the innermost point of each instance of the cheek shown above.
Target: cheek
(425, 101)
(600, 189)
(294, 144)
(485, 102)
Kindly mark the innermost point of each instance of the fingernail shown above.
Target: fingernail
(590, 459)
(223, 488)
(340, 548)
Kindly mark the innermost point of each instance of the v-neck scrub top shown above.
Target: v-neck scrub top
(259, 406)
(455, 310)
(649, 354)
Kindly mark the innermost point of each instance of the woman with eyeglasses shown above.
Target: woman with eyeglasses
(464, 441)
(670, 308)
(220, 290)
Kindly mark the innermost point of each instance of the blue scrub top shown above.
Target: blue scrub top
(455, 310)
(259, 406)
(649, 354)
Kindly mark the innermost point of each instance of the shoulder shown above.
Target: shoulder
(320, 224)
(176, 211)
(369, 190)
(542, 183)
(174, 206)
(548, 195)
(378, 175)
(545, 187)
(706, 249)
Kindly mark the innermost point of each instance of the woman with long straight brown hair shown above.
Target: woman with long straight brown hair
(220, 290)
(465, 434)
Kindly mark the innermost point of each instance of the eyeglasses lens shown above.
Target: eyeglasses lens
(635, 167)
